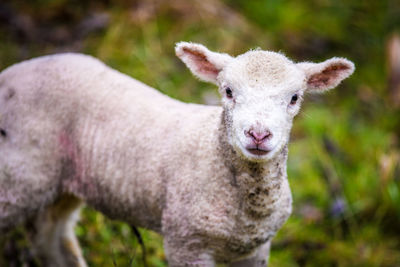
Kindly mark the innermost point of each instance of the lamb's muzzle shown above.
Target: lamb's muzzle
(259, 136)
(258, 141)
(73, 130)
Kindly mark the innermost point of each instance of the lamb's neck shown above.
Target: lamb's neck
(261, 185)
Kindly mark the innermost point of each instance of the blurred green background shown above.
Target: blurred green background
(344, 155)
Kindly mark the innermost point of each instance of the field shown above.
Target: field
(344, 154)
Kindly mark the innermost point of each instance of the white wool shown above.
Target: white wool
(73, 130)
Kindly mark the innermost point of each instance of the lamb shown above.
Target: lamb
(211, 180)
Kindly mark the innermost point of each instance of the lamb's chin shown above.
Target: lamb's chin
(259, 155)
(255, 155)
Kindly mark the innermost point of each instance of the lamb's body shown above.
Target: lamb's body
(75, 126)
(212, 180)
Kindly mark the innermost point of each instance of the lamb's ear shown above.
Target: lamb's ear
(326, 75)
(203, 63)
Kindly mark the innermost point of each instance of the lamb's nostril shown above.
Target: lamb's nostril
(259, 137)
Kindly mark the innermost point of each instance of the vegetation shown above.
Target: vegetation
(344, 157)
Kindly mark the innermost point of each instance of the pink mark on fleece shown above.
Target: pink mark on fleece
(74, 166)
(70, 151)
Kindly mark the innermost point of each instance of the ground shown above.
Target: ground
(344, 154)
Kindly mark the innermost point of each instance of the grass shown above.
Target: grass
(344, 156)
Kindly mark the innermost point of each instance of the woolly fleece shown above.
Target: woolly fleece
(73, 129)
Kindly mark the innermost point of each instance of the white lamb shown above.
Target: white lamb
(211, 180)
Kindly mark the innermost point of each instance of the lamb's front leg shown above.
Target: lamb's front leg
(260, 258)
(186, 254)
(55, 242)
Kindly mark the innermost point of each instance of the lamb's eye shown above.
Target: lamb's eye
(228, 92)
(294, 99)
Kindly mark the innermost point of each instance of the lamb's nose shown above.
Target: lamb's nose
(260, 136)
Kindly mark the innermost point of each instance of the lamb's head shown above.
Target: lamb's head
(261, 93)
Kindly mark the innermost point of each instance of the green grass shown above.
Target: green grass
(345, 144)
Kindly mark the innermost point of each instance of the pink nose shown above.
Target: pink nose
(259, 137)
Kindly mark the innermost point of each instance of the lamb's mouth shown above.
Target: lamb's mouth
(258, 151)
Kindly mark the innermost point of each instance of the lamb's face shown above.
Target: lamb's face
(261, 93)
